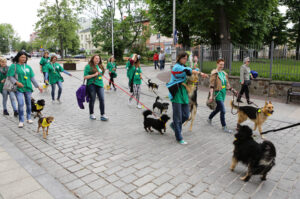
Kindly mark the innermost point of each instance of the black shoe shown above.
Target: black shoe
(249, 102)
(5, 112)
(16, 113)
(239, 101)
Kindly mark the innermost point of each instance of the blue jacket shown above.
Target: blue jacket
(178, 75)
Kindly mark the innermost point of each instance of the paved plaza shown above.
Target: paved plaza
(118, 159)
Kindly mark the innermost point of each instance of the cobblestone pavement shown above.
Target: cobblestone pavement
(118, 159)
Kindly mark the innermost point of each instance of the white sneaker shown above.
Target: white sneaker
(29, 121)
(103, 117)
(139, 106)
(21, 125)
(92, 117)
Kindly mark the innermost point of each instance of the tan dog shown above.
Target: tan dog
(45, 122)
(107, 87)
(256, 115)
(191, 89)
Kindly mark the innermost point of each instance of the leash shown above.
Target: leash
(286, 127)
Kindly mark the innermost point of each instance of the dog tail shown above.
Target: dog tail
(157, 98)
(149, 80)
(146, 113)
(233, 105)
(269, 149)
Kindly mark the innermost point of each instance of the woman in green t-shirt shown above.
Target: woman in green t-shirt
(219, 83)
(93, 73)
(53, 69)
(5, 93)
(130, 70)
(112, 67)
(137, 81)
(24, 80)
(43, 65)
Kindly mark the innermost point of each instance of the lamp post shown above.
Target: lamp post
(112, 27)
(174, 35)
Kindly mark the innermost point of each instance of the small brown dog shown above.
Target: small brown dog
(45, 122)
(256, 115)
(191, 89)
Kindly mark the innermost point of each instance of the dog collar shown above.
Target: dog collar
(45, 123)
(269, 114)
(259, 110)
(38, 107)
(161, 120)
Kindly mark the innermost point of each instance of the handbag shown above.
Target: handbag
(212, 104)
(9, 85)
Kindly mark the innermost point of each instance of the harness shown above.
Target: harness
(38, 107)
(45, 123)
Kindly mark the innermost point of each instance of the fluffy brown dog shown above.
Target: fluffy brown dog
(45, 122)
(191, 89)
(256, 115)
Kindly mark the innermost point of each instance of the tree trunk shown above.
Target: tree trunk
(298, 42)
(186, 42)
(224, 35)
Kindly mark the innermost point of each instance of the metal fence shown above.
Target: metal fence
(274, 62)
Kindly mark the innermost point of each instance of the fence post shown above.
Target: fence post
(271, 61)
(201, 58)
(230, 57)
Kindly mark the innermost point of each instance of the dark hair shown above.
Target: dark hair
(20, 53)
(181, 55)
(220, 60)
(52, 57)
(46, 52)
(93, 66)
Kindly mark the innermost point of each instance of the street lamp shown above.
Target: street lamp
(112, 27)
(174, 35)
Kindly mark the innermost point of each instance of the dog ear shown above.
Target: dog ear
(266, 103)
(270, 102)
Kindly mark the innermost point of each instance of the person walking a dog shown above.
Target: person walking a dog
(43, 65)
(53, 70)
(93, 73)
(245, 79)
(137, 81)
(5, 93)
(22, 75)
(112, 67)
(219, 83)
(178, 94)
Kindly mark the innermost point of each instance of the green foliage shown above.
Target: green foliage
(7, 38)
(58, 24)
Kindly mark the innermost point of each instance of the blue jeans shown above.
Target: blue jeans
(220, 107)
(162, 64)
(20, 98)
(156, 64)
(92, 91)
(181, 113)
(59, 84)
(12, 97)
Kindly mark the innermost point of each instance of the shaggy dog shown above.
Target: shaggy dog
(157, 124)
(161, 106)
(258, 157)
(37, 107)
(256, 115)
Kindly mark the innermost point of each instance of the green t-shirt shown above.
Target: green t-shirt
(130, 70)
(94, 80)
(110, 66)
(2, 77)
(181, 96)
(25, 73)
(222, 93)
(137, 76)
(44, 61)
(54, 71)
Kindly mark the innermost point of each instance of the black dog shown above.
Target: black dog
(152, 85)
(260, 158)
(157, 124)
(37, 107)
(161, 106)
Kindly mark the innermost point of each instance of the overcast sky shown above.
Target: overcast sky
(22, 15)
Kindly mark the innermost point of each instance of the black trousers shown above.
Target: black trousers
(244, 89)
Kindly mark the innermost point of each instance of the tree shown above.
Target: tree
(293, 15)
(7, 37)
(58, 23)
(128, 31)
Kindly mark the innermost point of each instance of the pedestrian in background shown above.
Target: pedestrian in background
(219, 83)
(155, 60)
(5, 93)
(24, 81)
(162, 57)
(93, 73)
(112, 67)
(245, 80)
(43, 65)
(137, 81)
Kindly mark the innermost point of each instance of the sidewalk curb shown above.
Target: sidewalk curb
(55, 188)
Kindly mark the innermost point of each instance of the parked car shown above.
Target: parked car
(80, 56)
(57, 55)
(36, 54)
(10, 56)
